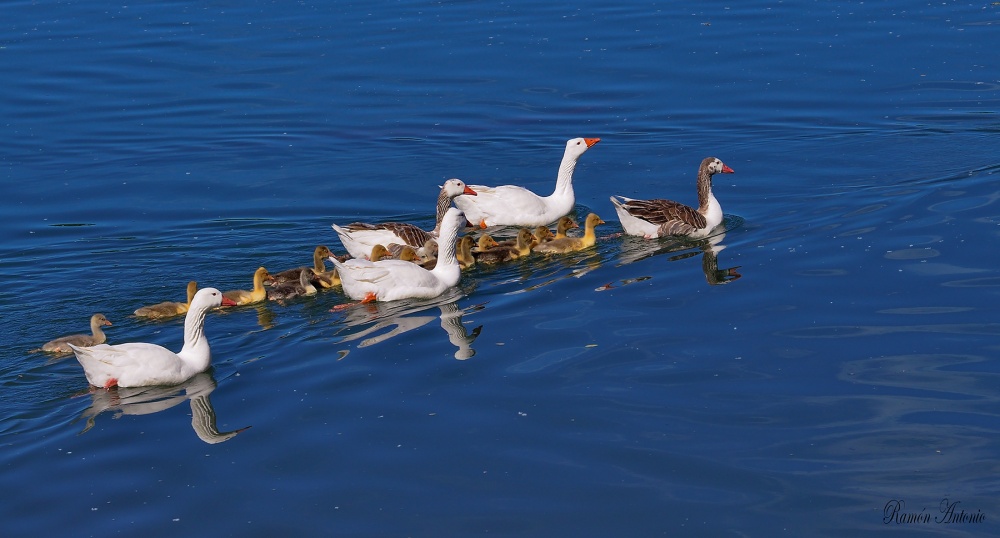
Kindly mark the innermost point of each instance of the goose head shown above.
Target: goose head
(713, 166)
(207, 298)
(456, 187)
(578, 146)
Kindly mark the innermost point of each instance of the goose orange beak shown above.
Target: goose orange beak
(727, 170)
(591, 141)
(226, 301)
(469, 191)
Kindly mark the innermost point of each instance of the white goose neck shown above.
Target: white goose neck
(564, 181)
(196, 351)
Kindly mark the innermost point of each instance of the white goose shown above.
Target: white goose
(138, 364)
(389, 280)
(359, 238)
(658, 217)
(510, 205)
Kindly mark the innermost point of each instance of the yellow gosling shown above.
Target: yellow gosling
(571, 244)
(256, 295)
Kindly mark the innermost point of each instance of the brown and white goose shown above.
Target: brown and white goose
(359, 237)
(658, 217)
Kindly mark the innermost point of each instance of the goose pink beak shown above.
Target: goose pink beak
(727, 170)
(591, 141)
(226, 301)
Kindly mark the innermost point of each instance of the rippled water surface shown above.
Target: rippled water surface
(846, 383)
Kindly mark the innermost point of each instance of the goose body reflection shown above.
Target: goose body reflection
(388, 320)
(149, 400)
(635, 249)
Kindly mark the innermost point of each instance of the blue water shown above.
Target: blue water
(615, 392)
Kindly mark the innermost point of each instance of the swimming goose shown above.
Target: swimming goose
(139, 364)
(359, 238)
(511, 205)
(320, 254)
(389, 280)
(168, 309)
(62, 344)
(570, 244)
(258, 294)
(498, 254)
(289, 290)
(658, 217)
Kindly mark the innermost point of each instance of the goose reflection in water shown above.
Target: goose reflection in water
(148, 400)
(634, 249)
(402, 316)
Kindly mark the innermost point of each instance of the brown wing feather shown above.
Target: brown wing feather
(672, 217)
(412, 235)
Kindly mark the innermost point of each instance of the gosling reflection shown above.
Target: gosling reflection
(635, 249)
(149, 400)
(391, 319)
